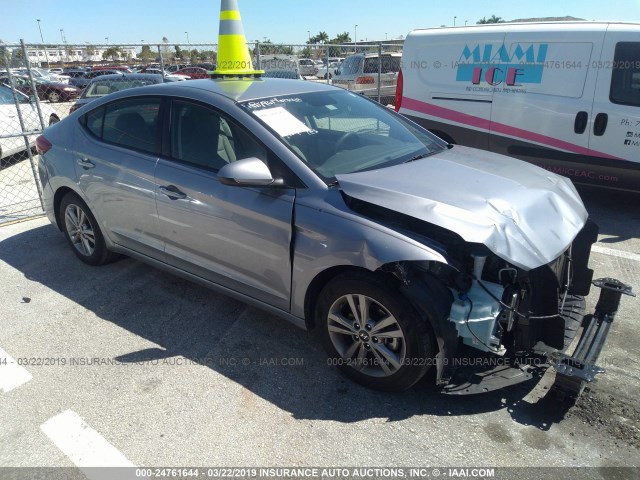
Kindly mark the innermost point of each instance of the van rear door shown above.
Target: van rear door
(615, 126)
(543, 96)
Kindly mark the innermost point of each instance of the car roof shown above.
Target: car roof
(128, 76)
(241, 90)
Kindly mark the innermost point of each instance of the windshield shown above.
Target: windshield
(337, 132)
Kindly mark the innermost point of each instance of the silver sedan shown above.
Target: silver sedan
(328, 210)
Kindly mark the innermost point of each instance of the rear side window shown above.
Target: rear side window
(625, 78)
(94, 120)
(132, 123)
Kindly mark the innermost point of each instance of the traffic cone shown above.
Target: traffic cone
(234, 59)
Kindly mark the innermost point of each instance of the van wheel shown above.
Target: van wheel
(371, 332)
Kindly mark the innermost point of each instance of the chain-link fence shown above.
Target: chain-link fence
(42, 83)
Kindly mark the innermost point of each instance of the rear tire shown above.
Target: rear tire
(372, 333)
(82, 231)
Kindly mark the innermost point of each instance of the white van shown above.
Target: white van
(562, 95)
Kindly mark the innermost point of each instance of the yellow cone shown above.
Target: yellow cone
(234, 59)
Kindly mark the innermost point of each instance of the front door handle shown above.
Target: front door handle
(173, 192)
(86, 163)
(600, 124)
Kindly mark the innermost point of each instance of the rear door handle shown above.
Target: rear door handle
(580, 124)
(86, 163)
(173, 192)
(600, 124)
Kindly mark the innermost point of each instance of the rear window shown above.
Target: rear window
(351, 65)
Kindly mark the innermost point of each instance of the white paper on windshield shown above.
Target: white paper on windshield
(282, 121)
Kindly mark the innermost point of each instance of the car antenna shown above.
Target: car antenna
(234, 59)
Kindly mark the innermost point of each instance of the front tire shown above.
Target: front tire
(372, 333)
(53, 97)
(82, 231)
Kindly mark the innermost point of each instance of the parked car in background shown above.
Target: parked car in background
(308, 67)
(359, 73)
(158, 71)
(44, 74)
(193, 73)
(83, 80)
(331, 71)
(106, 84)
(121, 68)
(280, 66)
(53, 91)
(10, 122)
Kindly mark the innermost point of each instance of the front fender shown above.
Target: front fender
(327, 235)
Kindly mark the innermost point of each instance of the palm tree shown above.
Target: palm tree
(343, 38)
(491, 19)
(322, 37)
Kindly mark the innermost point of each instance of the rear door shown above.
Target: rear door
(237, 237)
(115, 157)
(543, 94)
(615, 130)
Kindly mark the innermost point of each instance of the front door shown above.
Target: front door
(237, 237)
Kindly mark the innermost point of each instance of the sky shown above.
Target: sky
(281, 21)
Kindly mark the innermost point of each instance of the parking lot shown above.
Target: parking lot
(127, 365)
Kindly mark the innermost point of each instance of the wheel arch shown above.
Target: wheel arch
(316, 286)
(57, 199)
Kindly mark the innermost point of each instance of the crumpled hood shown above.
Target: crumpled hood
(522, 213)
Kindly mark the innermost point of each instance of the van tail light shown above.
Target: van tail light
(399, 88)
(43, 145)
(365, 80)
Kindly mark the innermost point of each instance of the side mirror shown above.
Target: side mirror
(248, 172)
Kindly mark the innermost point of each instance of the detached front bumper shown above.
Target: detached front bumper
(573, 372)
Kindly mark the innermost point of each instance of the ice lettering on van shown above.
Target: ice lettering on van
(525, 64)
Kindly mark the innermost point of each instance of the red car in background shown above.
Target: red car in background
(52, 91)
(193, 73)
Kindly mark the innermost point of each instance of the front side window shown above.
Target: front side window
(337, 132)
(625, 78)
(132, 123)
(203, 137)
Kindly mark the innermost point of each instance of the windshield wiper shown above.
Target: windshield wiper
(418, 157)
(335, 183)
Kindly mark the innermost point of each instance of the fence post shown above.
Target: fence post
(258, 55)
(326, 59)
(161, 59)
(23, 126)
(33, 84)
(379, 68)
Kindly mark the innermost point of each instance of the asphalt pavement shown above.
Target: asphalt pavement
(127, 365)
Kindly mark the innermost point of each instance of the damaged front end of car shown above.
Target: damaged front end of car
(514, 305)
